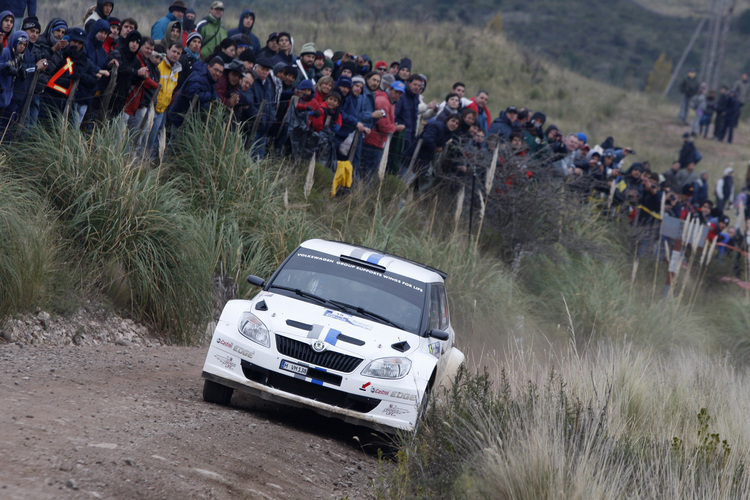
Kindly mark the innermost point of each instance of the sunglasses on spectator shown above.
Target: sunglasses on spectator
(382, 69)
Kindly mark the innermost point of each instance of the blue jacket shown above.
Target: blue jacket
(159, 29)
(368, 107)
(10, 61)
(264, 91)
(407, 111)
(22, 86)
(435, 135)
(198, 83)
(241, 30)
(501, 126)
(17, 7)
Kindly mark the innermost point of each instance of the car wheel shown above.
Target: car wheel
(216, 393)
(424, 403)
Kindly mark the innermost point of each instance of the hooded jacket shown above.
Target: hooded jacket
(3, 15)
(159, 29)
(127, 74)
(97, 14)
(11, 68)
(241, 30)
(80, 65)
(46, 41)
(168, 31)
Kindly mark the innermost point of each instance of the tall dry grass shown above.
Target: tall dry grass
(28, 247)
(608, 422)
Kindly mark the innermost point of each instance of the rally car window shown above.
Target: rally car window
(393, 296)
(434, 308)
(444, 316)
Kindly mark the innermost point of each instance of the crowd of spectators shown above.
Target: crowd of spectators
(344, 108)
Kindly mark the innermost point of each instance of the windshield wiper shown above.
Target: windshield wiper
(309, 295)
(365, 312)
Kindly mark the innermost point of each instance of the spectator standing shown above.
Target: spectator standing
(245, 27)
(19, 9)
(732, 115)
(263, 90)
(689, 87)
(169, 70)
(407, 113)
(56, 84)
(191, 57)
(698, 103)
(102, 11)
(742, 88)
(211, 30)
(701, 189)
(479, 104)
(708, 114)
(385, 101)
(725, 189)
(11, 70)
(176, 12)
(201, 82)
(722, 103)
(284, 55)
(7, 21)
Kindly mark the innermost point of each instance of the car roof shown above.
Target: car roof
(392, 263)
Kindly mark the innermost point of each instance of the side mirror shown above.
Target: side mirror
(438, 334)
(257, 281)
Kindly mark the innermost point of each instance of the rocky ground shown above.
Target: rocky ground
(94, 406)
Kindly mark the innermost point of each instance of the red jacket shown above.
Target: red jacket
(383, 126)
(318, 122)
(474, 106)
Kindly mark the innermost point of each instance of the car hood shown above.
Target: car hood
(300, 319)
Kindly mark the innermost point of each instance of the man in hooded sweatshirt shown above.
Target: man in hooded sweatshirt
(11, 70)
(7, 21)
(66, 67)
(176, 12)
(247, 21)
(103, 9)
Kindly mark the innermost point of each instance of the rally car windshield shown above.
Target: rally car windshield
(379, 296)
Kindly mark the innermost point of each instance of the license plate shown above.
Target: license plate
(293, 367)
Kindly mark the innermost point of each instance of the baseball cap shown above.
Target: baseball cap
(217, 5)
(398, 86)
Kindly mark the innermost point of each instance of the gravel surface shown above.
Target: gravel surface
(116, 414)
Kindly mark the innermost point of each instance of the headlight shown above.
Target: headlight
(254, 329)
(387, 368)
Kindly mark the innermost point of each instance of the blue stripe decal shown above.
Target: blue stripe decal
(375, 258)
(332, 336)
(316, 382)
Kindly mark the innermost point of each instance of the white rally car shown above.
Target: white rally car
(344, 330)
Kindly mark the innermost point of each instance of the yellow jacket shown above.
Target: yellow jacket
(168, 80)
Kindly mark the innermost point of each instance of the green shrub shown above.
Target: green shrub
(151, 252)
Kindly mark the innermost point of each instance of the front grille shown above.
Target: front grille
(301, 387)
(326, 359)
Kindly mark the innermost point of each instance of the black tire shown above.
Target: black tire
(217, 393)
(425, 403)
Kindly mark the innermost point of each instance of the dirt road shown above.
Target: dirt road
(129, 422)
